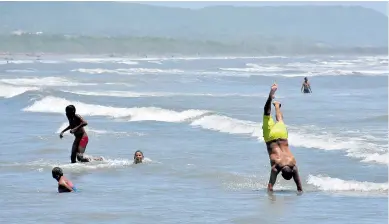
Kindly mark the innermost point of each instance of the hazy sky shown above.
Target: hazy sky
(378, 6)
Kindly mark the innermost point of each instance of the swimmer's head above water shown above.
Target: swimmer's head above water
(64, 185)
(57, 173)
(138, 157)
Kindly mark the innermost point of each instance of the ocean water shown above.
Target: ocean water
(198, 122)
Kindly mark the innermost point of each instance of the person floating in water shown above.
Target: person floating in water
(138, 157)
(276, 139)
(306, 87)
(76, 127)
(64, 185)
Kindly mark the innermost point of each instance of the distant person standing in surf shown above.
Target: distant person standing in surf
(306, 87)
(76, 127)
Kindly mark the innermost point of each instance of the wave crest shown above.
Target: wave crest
(335, 184)
(298, 136)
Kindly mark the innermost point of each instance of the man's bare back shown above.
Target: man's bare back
(306, 86)
(280, 154)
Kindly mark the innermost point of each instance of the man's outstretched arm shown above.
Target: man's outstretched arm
(296, 178)
(273, 177)
(267, 108)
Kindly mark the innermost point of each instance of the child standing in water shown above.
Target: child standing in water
(76, 127)
(64, 185)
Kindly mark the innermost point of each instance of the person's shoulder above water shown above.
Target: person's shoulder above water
(64, 185)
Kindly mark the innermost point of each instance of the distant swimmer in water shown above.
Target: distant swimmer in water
(76, 127)
(64, 185)
(306, 87)
(276, 138)
(138, 157)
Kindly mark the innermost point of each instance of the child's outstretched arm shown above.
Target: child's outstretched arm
(63, 131)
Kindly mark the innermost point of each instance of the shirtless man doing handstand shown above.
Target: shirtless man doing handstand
(276, 138)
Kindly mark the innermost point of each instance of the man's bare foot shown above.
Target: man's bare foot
(269, 188)
(277, 104)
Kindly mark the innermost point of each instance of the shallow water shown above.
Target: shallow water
(198, 121)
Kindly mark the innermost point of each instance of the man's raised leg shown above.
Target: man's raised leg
(279, 116)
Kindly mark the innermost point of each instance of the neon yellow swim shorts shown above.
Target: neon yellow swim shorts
(272, 131)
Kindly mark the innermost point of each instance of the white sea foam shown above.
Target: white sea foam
(41, 165)
(155, 62)
(20, 61)
(45, 81)
(100, 132)
(228, 125)
(336, 184)
(149, 59)
(298, 137)
(8, 91)
(21, 70)
(119, 93)
(104, 60)
(158, 94)
(128, 71)
(381, 158)
(49, 61)
(55, 105)
(316, 68)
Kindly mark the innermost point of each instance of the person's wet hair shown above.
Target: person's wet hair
(287, 173)
(57, 172)
(136, 160)
(70, 109)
